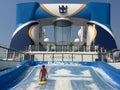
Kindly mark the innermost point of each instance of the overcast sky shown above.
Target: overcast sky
(8, 16)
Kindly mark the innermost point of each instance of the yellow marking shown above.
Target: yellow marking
(94, 33)
(30, 32)
(79, 9)
(43, 6)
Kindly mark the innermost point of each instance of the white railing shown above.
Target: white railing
(7, 54)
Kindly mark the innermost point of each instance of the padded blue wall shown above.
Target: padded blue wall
(12, 76)
(112, 72)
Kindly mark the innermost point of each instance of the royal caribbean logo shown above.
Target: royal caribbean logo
(63, 9)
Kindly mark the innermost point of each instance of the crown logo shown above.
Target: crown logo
(63, 9)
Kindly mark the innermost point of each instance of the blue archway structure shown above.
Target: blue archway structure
(29, 14)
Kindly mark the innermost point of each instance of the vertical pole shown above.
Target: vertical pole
(72, 57)
(52, 57)
(43, 56)
(7, 54)
(13, 56)
(92, 58)
(82, 57)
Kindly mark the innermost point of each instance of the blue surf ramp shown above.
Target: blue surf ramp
(69, 76)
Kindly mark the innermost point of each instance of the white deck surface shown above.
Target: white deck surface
(64, 77)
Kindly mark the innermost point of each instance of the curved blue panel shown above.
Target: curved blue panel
(40, 13)
(84, 13)
(21, 39)
(25, 12)
(100, 12)
(104, 39)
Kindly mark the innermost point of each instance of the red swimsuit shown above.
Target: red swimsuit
(43, 71)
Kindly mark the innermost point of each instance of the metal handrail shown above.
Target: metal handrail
(8, 54)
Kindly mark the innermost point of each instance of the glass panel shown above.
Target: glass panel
(62, 32)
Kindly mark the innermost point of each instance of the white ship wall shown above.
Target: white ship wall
(65, 56)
